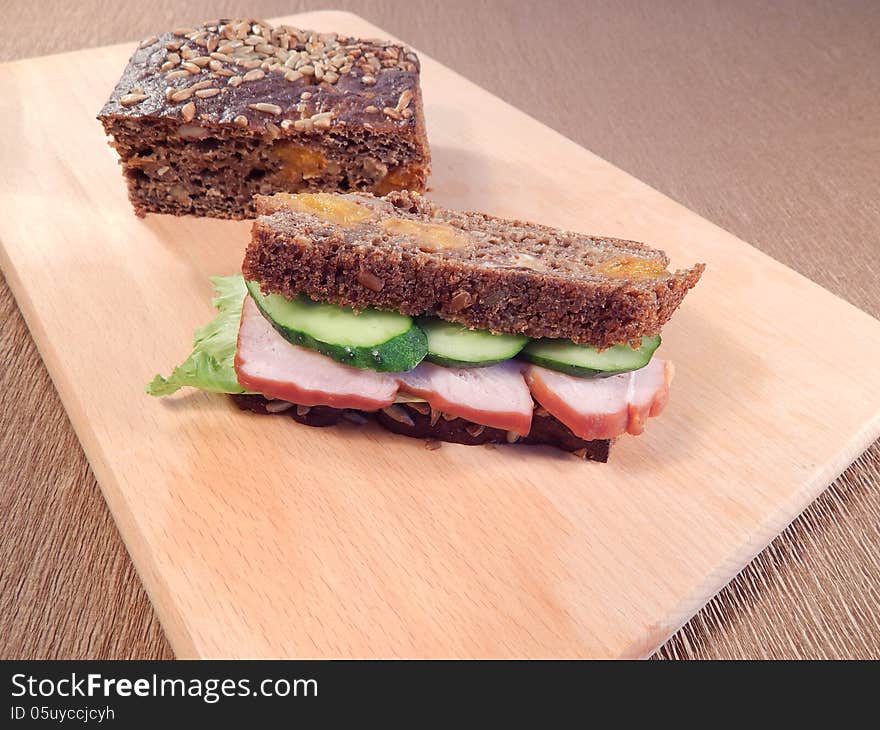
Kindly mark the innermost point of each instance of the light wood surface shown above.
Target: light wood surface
(815, 591)
(260, 538)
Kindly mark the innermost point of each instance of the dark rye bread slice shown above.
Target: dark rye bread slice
(406, 254)
(204, 118)
(417, 420)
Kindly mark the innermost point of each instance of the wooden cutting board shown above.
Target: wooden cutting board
(259, 537)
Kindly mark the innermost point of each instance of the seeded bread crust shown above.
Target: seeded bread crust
(416, 421)
(205, 118)
(505, 276)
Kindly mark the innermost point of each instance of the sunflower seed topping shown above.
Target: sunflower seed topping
(254, 75)
(419, 407)
(272, 131)
(194, 62)
(397, 413)
(132, 99)
(323, 120)
(278, 406)
(266, 108)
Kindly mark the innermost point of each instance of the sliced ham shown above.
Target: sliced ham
(648, 393)
(495, 396)
(267, 363)
(601, 408)
(499, 396)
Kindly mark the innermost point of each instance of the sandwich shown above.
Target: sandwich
(442, 325)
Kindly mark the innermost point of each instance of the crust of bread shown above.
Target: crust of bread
(503, 275)
(416, 421)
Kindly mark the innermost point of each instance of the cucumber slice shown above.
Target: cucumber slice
(454, 345)
(370, 339)
(588, 362)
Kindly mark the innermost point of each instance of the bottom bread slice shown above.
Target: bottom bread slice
(417, 420)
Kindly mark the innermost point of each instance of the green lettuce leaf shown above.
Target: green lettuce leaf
(210, 366)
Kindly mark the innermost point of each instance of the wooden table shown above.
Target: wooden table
(760, 117)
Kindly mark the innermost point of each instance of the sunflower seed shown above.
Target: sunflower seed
(272, 131)
(132, 99)
(266, 108)
(278, 406)
(397, 413)
(369, 280)
(404, 100)
(322, 121)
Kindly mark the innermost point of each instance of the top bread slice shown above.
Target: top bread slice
(406, 254)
